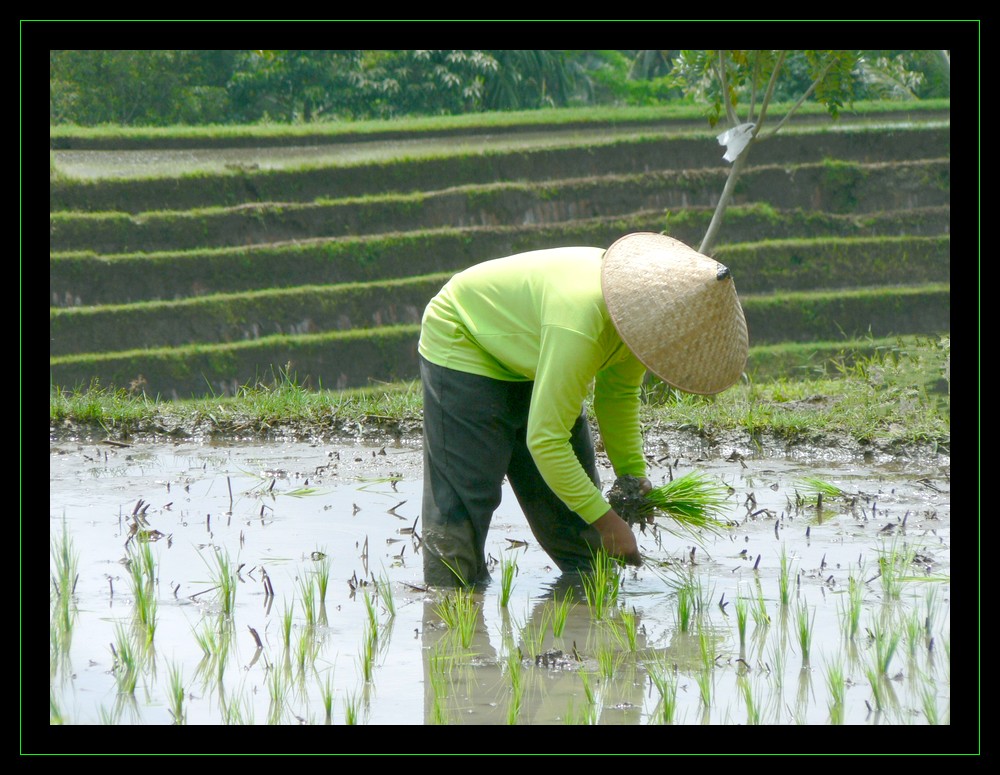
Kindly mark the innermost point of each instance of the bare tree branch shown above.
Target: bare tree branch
(767, 96)
(708, 242)
(802, 99)
(753, 89)
(730, 112)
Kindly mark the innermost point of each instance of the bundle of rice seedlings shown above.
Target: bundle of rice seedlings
(814, 486)
(692, 502)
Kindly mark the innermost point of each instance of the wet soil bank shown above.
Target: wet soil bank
(662, 440)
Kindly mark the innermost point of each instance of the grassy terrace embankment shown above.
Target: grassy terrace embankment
(652, 117)
(841, 187)
(201, 283)
(764, 267)
(684, 153)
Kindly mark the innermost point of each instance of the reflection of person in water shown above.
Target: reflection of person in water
(509, 349)
(559, 678)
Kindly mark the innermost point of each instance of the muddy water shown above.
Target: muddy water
(282, 513)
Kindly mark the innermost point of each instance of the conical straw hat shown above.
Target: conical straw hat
(677, 310)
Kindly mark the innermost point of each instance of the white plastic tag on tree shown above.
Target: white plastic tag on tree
(735, 140)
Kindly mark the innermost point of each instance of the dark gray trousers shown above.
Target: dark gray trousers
(474, 435)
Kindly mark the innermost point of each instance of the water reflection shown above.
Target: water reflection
(373, 648)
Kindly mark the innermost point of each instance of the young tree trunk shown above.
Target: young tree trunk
(708, 242)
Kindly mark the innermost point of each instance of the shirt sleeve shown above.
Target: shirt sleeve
(567, 363)
(616, 405)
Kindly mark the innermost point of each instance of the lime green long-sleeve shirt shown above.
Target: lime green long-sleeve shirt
(541, 317)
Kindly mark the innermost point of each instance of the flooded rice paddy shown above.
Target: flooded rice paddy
(281, 584)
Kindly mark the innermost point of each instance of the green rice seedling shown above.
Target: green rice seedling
(600, 585)
(625, 630)
(928, 704)
(56, 717)
(369, 646)
(322, 575)
(690, 600)
(664, 678)
(761, 618)
(572, 717)
(371, 637)
(508, 570)
(306, 650)
(142, 578)
(277, 689)
(588, 692)
(126, 661)
(238, 711)
(805, 630)
(206, 640)
(533, 634)
(223, 646)
(286, 626)
(931, 609)
(913, 627)
(383, 587)
(440, 665)
(742, 607)
(384, 636)
(225, 582)
(147, 561)
(804, 696)
(851, 609)
(352, 709)
(836, 685)
(175, 693)
(886, 640)
(776, 663)
(894, 562)
(877, 682)
(326, 697)
(560, 612)
(460, 613)
(705, 649)
(310, 612)
(704, 679)
(515, 674)
(685, 609)
(784, 577)
(630, 622)
(58, 650)
(751, 700)
(66, 563)
(108, 718)
(816, 489)
(607, 661)
(372, 613)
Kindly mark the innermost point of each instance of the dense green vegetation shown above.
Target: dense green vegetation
(165, 87)
(887, 393)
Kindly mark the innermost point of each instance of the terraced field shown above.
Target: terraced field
(200, 282)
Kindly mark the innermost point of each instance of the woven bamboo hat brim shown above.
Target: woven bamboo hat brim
(677, 311)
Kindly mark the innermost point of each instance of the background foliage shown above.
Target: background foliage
(168, 87)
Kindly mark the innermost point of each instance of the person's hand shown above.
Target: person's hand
(617, 538)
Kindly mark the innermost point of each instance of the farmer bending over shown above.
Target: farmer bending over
(509, 349)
